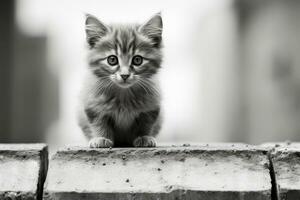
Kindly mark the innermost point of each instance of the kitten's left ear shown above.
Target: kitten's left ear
(94, 29)
(153, 29)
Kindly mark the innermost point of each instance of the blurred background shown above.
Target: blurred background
(231, 71)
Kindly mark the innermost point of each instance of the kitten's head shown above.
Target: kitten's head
(124, 55)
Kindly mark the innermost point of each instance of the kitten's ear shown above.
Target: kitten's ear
(153, 29)
(94, 29)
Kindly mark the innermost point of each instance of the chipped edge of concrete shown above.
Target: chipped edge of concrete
(80, 151)
(22, 151)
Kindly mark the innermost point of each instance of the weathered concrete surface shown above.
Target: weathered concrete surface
(22, 170)
(286, 165)
(212, 172)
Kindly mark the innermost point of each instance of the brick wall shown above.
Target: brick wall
(203, 171)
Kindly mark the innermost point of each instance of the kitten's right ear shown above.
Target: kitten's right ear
(153, 29)
(94, 29)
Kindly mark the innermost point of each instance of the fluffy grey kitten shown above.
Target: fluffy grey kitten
(121, 100)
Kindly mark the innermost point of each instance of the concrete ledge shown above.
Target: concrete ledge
(286, 165)
(227, 172)
(22, 170)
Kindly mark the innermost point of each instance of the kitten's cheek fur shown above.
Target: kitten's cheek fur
(144, 141)
(100, 142)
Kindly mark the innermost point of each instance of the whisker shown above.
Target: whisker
(150, 85)
(142, 86)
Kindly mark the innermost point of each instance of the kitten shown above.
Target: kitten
(121, 99)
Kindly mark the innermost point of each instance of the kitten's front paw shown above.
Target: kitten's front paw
(144, 141)
(100, 142)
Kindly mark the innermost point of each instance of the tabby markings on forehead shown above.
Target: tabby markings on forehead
(125, 38)
(105, 45)
(125, 49)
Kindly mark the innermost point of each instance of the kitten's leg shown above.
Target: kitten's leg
(100, 142)
(101, 130)
(147, 125)
(144, 141)
(84, 124)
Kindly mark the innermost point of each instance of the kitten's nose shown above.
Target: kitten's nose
(124, 76)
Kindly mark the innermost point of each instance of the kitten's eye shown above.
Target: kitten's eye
(137, 60)
(112, 60)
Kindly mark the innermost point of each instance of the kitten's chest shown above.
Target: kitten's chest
(124, 117)
(124, 111)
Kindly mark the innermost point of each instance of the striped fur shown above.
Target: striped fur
(115, 111)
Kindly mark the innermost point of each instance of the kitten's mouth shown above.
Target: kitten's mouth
(124, 84)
